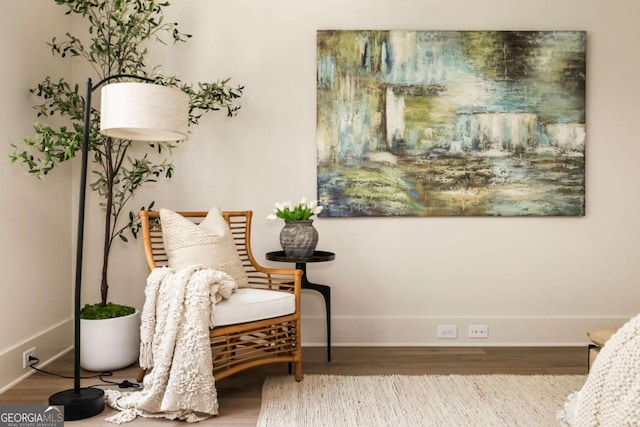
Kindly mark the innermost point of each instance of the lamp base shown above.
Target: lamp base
(78, 406)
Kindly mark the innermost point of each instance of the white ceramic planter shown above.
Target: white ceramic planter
(109, 344)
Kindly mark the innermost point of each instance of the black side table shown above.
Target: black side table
(301, 264)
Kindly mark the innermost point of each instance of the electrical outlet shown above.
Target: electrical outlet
(25, 357)
(448, 331)
(478, 331)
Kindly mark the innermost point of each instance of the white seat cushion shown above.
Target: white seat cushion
(247, 305)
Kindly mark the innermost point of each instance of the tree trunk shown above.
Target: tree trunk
(104, 286)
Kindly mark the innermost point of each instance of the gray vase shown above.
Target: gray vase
(299, 238)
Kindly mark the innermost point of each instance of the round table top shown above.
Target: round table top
(317, 256)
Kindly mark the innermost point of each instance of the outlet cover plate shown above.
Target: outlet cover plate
(447, 331)
(25, 357)
(478, 331)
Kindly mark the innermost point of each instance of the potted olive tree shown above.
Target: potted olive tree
(118, 36)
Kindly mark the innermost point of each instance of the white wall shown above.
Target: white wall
(532, 280)
(35, 233)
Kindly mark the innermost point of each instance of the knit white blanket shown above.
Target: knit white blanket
(176, 317)
(611, 394)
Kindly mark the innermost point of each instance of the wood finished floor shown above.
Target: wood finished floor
(239, 396)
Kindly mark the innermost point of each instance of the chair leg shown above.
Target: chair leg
(298, 370)
(141, 374)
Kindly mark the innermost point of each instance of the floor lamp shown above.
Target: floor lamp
(134, 111)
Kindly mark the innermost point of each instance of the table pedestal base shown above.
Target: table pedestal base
(325, 291)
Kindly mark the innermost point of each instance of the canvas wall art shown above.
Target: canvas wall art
(451, 123)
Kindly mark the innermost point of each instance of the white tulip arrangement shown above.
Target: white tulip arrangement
(290, 212)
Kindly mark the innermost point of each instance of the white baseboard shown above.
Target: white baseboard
(422, 331)
(359, 332)
(50, 344)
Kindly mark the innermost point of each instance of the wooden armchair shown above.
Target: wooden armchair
(239, 346)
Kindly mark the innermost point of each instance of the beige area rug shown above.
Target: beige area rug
(426, 400)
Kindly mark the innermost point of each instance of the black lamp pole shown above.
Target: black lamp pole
(80, 403)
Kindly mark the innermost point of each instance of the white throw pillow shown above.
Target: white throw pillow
(210, 243)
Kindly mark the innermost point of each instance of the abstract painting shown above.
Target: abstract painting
(451, 123)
